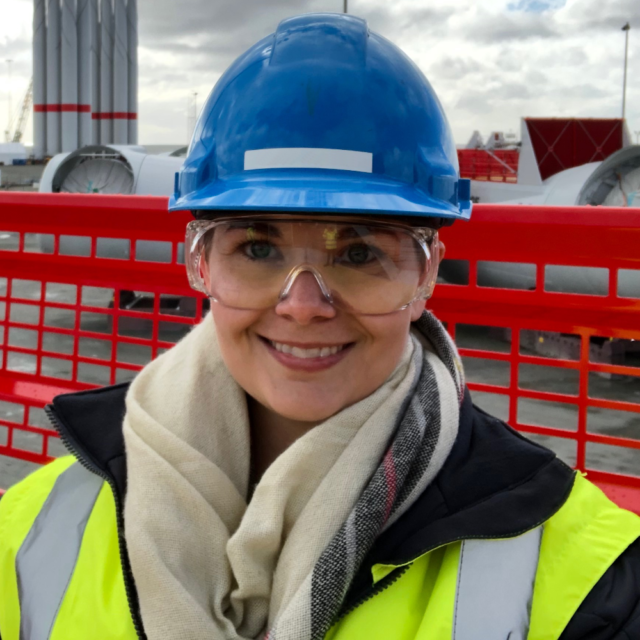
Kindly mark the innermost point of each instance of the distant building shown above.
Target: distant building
(10, 151)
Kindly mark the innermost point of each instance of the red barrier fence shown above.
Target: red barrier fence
(498, 165)
(92, 288)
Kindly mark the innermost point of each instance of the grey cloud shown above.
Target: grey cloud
(475, 102)
(220, 28)
(507, 61)
(585, 91)
(578, 61)
(575, 56)
(507, 55)
(485, 101)
(535, 78)
(423, 17)
(515, 91)
(456, 67)
(205, 37)
(167, 79)
(488, 28)
(596, 15)
(15, 48)
(228, 22)
(20, 67)
(398, 21)
(563, 55)
(160, 119)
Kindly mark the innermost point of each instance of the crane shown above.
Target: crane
(24, 113)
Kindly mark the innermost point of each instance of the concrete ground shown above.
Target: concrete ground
(477, 370)
(555, 414)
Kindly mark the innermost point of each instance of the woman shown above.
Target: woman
(307, 462)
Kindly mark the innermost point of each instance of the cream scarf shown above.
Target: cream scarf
(208, 565)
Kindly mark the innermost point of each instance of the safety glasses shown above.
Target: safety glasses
(360, 266)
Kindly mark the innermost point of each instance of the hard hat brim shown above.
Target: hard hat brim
(321, 190)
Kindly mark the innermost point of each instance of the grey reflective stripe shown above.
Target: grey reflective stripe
(495, 587)
(48, 555)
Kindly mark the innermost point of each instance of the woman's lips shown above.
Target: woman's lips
(307, 356)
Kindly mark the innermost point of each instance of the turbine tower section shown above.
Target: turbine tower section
(53, 78)
(106, 72)
(69, 77)
(120, 75)
(132, 37)
(95, 70)
(39, 79)
(85, 72)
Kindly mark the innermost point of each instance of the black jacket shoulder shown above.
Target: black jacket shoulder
(612, 610)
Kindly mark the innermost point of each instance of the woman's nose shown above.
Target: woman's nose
(305, 301)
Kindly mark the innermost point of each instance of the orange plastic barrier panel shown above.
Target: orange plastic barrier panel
(544, 304)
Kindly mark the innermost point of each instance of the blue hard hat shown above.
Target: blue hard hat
(323, 116)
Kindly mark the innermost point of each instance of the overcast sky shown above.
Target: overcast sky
(490, 61)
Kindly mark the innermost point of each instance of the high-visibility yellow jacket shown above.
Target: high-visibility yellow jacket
(506, 540)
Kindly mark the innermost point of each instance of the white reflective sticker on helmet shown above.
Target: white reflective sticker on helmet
(301, 158)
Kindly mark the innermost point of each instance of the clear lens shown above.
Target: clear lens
(366, 268)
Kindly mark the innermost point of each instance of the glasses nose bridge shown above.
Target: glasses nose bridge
(293, 275)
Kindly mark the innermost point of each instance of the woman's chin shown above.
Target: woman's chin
(304, 410)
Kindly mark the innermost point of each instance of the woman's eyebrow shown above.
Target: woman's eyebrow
(265, 228)
(358, 231)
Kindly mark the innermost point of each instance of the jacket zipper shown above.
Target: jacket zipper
(396, 574)
(87, 464)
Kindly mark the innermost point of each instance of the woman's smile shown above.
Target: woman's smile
(309, 357)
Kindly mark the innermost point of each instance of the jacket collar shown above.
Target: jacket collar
(90, 425)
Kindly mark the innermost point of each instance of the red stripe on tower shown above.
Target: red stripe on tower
(115, 115)
(57, 108)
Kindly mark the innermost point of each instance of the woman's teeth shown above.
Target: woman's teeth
(306, 353)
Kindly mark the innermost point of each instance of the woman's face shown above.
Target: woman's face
(353, 354)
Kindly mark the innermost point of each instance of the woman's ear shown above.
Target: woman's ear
(417, 308)
(419, 305)
(204, 272)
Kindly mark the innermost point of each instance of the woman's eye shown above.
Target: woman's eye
(259, 250)
(359, 254)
